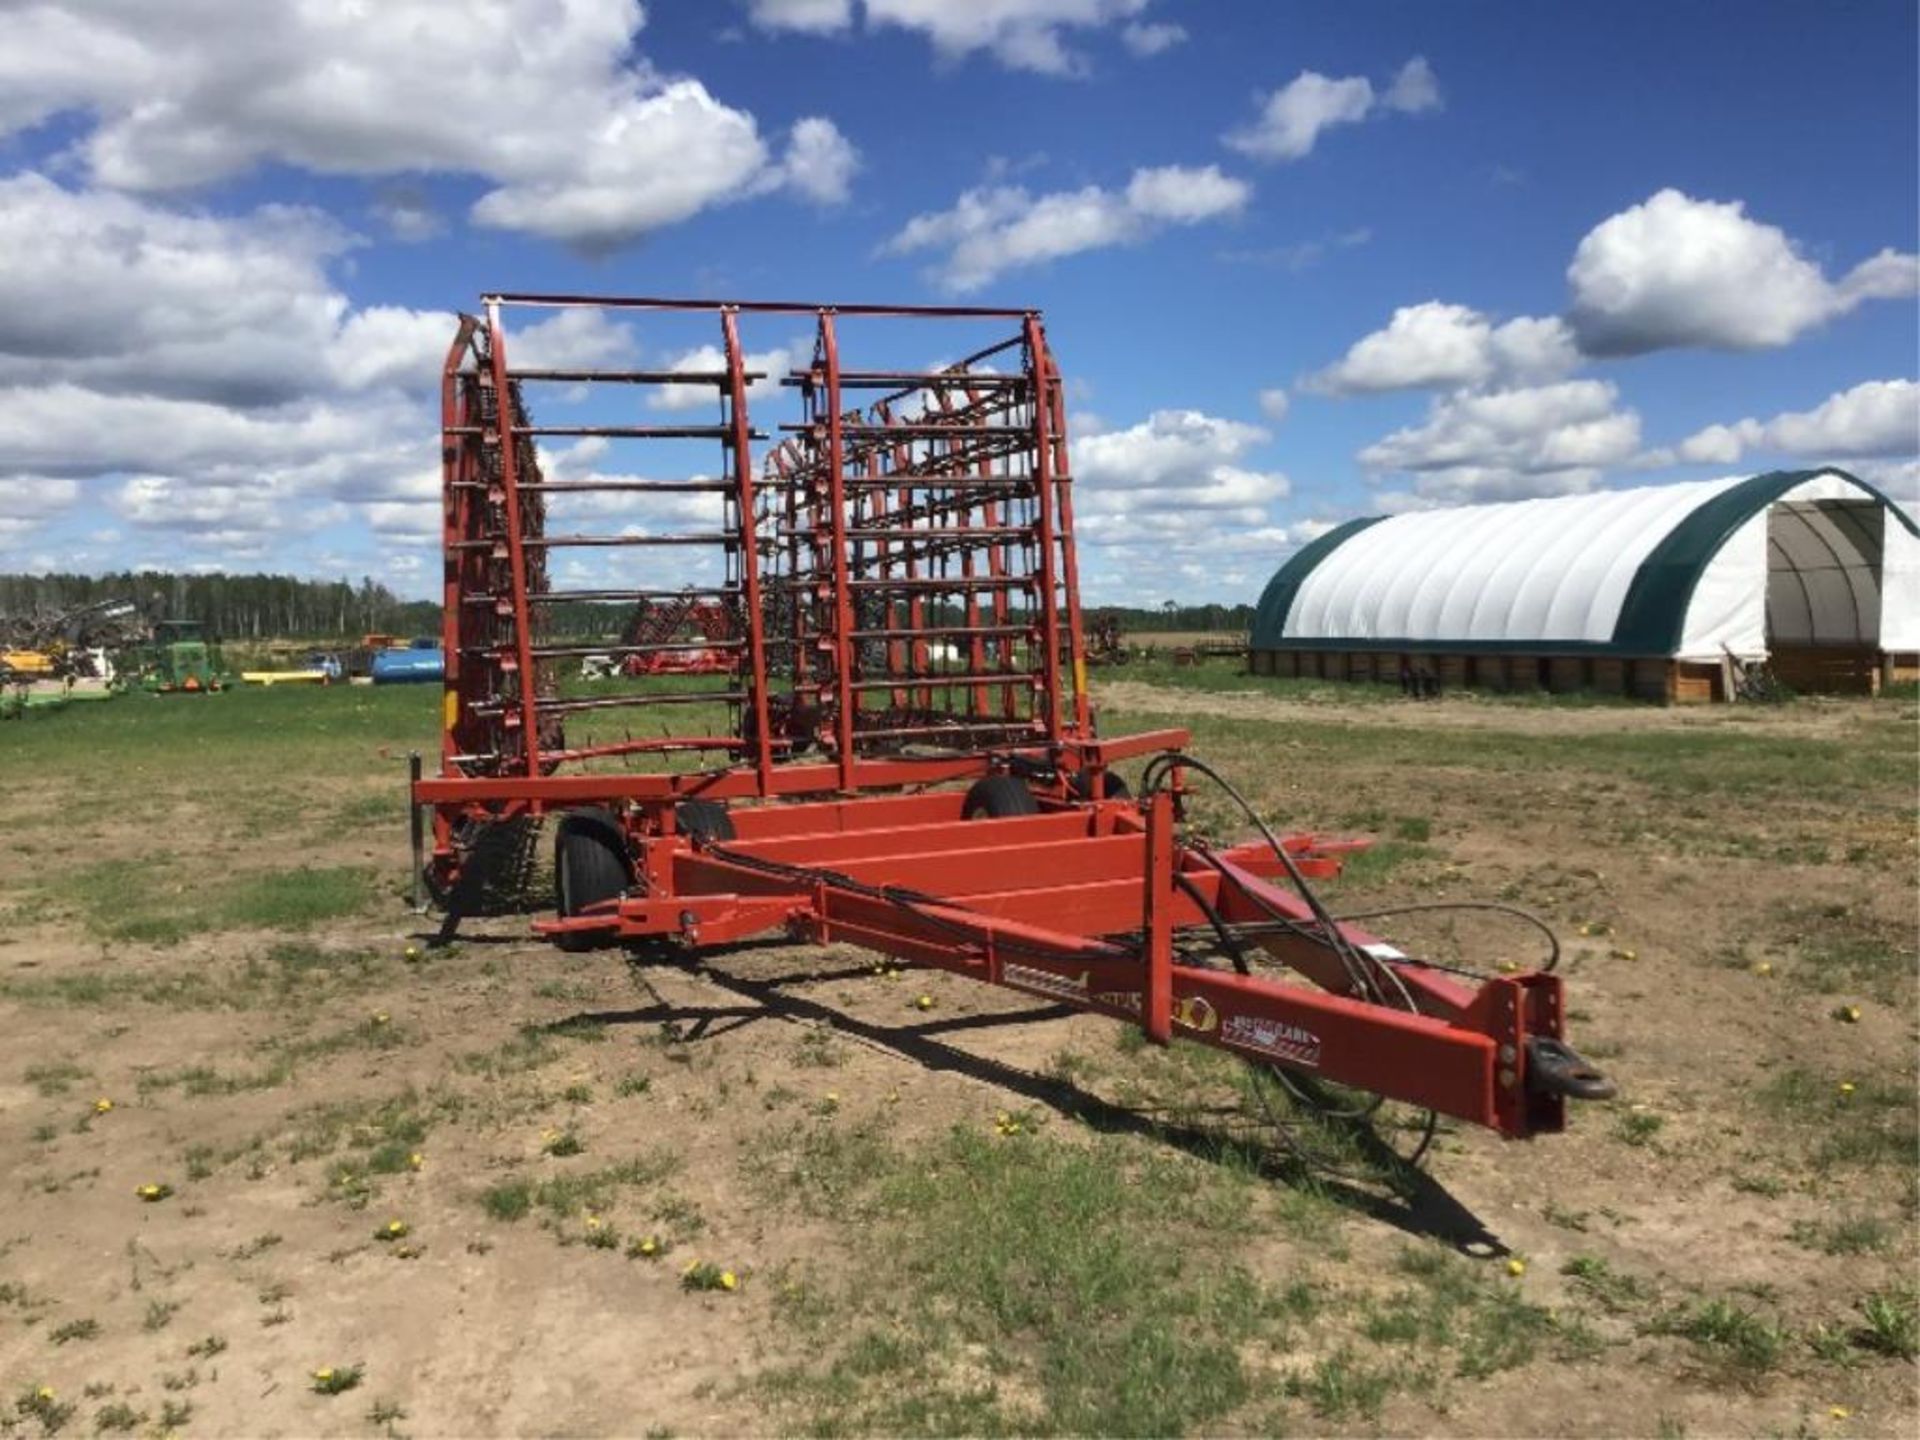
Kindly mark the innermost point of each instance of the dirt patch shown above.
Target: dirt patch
(1810, 719)
(1702, 1257)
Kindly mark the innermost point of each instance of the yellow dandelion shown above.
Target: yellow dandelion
(728, 1281)
(1516, 1267)
(394, 1229)
(1839, 1412)
(833, 1097)
(45, 1392)
(594, 1222)
(416, 1160)
(925, 1002)
(649, 1246)
(1846, 1087)
(380, 1017)
(413, 952)
(102, 1105)
(1765, 967)
(324, 1374)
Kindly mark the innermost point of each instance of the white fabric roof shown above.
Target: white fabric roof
(1559, 570)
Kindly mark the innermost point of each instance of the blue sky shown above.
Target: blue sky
(1299, 262)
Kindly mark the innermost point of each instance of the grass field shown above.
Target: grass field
(276, 1167)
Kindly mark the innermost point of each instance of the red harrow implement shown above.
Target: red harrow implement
(899, 752)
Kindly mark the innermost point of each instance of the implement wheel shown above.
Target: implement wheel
(703, 821)
(589, 866)
(1112, 787)
(998, 797)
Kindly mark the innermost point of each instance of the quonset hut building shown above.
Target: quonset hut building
(1656, 592)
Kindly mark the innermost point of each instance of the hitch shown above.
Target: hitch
(1556, 1068)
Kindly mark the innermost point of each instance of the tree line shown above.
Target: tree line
(233, 607)
(1172, 615)
(265, 607)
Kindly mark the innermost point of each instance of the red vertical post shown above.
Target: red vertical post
(846, 697)
(1157, 1007)
(741, 441)
(455, 462)
(1036, 345)
(516, 552)
(1070, 566)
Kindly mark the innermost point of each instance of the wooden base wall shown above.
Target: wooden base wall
(1832, 669)
(1661, 681)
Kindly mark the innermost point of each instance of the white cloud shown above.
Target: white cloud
(1152, 37)
(122, 296)
(407, 213)
(1549, 439)
(1437, 344)
(573, 339)
(1715, 445)
(771, 365)
(1292, 118)
(1886, 276)
(1274, 404)
(811, 17)
(1880, 417)
(1020, 34)
(201, 375)
(107, 290)
(1414, 88)
(1675, 271)
(27, 500)
(992, 229)
(581, 139)
(391, 345)
(1184, 196)
(1182, 461)
(661, 158)
(1897, 478)
(820, 162)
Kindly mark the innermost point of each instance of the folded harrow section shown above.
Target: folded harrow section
(922, 549)
(890, 565)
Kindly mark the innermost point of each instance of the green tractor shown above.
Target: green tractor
(181, 660)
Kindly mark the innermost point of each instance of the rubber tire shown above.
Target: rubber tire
(998, 797)
(703, 821)
(587, 868)
(1112, 788)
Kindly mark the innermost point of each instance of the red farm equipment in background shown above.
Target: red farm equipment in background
(888, 740)
(681, 636)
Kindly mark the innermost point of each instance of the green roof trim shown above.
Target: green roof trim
(1654, 613)
(1270, 617)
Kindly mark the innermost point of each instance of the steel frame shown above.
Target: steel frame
(900, 573)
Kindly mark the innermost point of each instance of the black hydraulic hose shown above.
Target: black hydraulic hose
(1416, 907)
(1154, 778)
